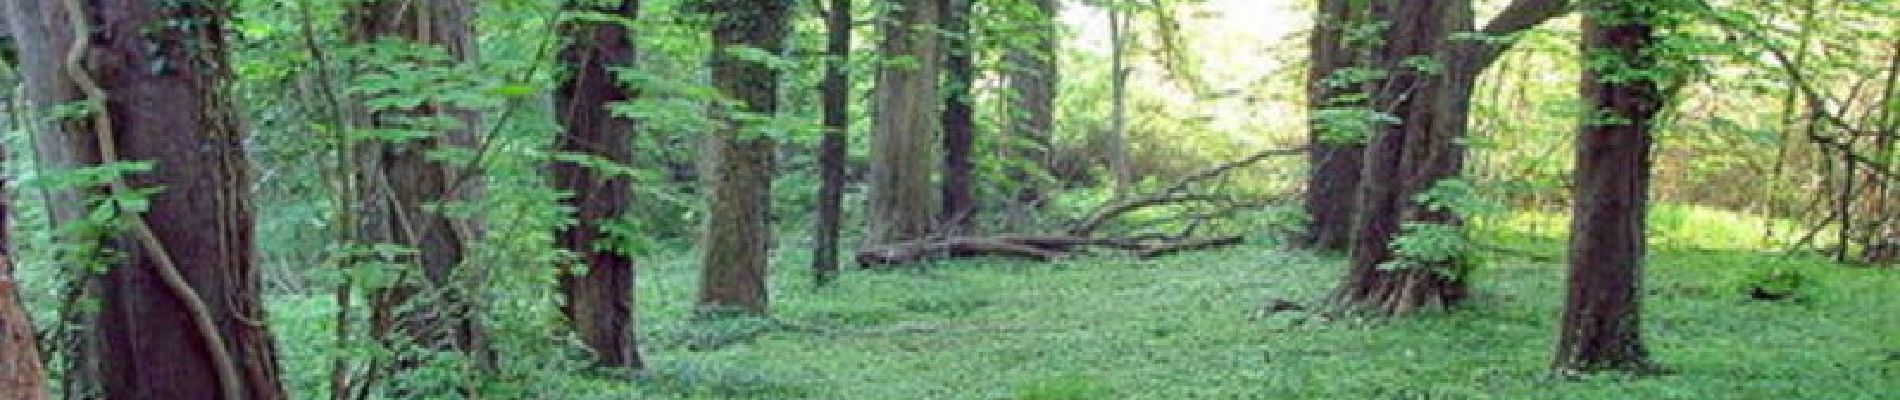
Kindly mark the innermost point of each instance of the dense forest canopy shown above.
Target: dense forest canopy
(1037, 199)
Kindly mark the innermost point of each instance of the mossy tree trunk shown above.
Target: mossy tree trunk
(738, 188)
(599, 297)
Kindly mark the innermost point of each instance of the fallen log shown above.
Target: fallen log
(1040, 248)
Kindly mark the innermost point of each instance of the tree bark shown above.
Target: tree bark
(429, 306)
(959, 201)
(180, 313)
(1033, 112)
(733, 262)
(600, 298)
(1600, 319)
(905, 123)
(1332, 182)
(836, 101)
(1428, 88)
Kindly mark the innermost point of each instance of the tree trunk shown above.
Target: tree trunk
(1332, 182)
(429, 306)
(905, 124)
(1117, 135)
(733, 262)
(599, 300)
(1600, 323)
(1428, 88)
(180, 313)
(959, 202)
(1403, 159)
(836, 93)
(1033, 112)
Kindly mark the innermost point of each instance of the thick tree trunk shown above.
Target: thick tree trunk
(1033, 111)
(1428, 88)
(1600, 323)
(1403, 159)
(198, 336)
(733, 260)
(836, 100)
(905, 123)
(600, 299)
(429, 306)
(1332, 183)
(959, 136)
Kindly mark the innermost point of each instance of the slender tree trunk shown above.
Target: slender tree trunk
(600, 299)
(1033, 112)
(1600, 319)
(905, 123)
(1117, 140)
(836, 93)
(180, 314)
(429, 306)
(959, 201)
(732, 265)
(1333, 177)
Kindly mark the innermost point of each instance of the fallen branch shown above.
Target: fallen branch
(1033, 248)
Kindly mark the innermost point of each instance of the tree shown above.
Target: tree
(1429, 73)
(836, 101)
(1332, 182)
(178, 303)
(904, 125)
(959, 201)
(1610, 200)
(1032, 116)
(1116, 140)
(746, 33)
(401, 182)
(599, 297)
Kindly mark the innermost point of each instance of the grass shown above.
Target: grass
(1186, 327)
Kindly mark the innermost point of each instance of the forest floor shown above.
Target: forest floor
(1189, 327)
